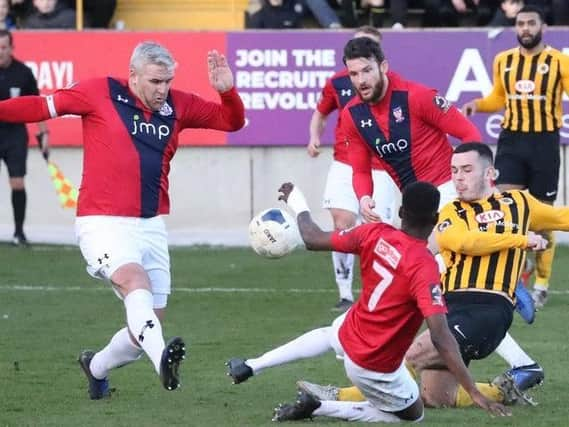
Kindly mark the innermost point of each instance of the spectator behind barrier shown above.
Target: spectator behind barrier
(50, 14)
(98, 13)
(276, 14)
(6, 21)
(505, 15)
(279, 14)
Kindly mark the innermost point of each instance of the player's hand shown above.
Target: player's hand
(536, 242)
(220, 75)
(469, 108)
(313, 147)
(367, 204)
(494, 408)
(285, 189)
(43, 144)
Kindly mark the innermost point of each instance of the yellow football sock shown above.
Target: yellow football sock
(544, 262)
(350, 394)
(490, 391)
(411, 370)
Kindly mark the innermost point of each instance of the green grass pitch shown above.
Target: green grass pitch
(226, 302)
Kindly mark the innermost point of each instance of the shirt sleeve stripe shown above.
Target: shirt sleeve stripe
(51, 106)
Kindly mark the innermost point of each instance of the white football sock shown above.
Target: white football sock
(144, 325)
(311, 344)
(354, 411)
(511, 352)
(118, 352)
(344, 272)
(441, 263)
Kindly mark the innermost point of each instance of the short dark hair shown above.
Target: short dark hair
(530, 8)
(6, 33)
(363, 47)
(482, 149)
(420, 204)
(372, 31)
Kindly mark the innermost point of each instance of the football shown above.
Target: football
(273, 233)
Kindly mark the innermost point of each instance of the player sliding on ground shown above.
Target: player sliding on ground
(401, 288)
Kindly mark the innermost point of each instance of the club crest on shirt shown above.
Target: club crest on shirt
(442, 103)
(436, 294)
(398, 114)
(489, 216)
(542, 68)
(506, 200)
(388, 253)
(165, 110)
(444, 225)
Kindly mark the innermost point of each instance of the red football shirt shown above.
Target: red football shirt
(336, 94)
(127, 148)
(407, 131)
(400, 287)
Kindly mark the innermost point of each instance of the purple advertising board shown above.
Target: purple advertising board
(279, 74)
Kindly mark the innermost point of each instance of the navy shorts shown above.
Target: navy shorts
(479, 321)
(530, 159)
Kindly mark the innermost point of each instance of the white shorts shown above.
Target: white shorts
(391, 392)
(339, 191)
(334, 340)
(109, 242)
(448, 193)
(386, 195)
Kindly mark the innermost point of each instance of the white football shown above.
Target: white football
(273, 233)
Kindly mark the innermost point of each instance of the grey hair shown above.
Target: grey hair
(151, 53)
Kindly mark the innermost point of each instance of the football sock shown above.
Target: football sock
(144, 325)
(440, 263)
(544, 263)
(350, 394)
(412, 371)
(118, 352)
(343, 270)
(490, 391)
(511, 352)
(354, 411)
(311, 344)
(19, 210)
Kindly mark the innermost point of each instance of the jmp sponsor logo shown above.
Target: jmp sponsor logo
(389, 148)
(140, 127)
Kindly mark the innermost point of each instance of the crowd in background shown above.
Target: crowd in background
(396, 13)
(277, 14)
(54, 14)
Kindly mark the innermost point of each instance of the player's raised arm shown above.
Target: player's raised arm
(24, 109)
(220, 75)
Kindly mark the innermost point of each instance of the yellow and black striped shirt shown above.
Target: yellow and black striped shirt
(483, 243)
(530, 88)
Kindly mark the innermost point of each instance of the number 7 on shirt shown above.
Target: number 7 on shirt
(386, 280)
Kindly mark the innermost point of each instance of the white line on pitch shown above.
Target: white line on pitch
(48, 288)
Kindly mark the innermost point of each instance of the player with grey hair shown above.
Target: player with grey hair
(130, 132)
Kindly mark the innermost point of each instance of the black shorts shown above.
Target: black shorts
(14, 152)
(530, 159)
(479, 321)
